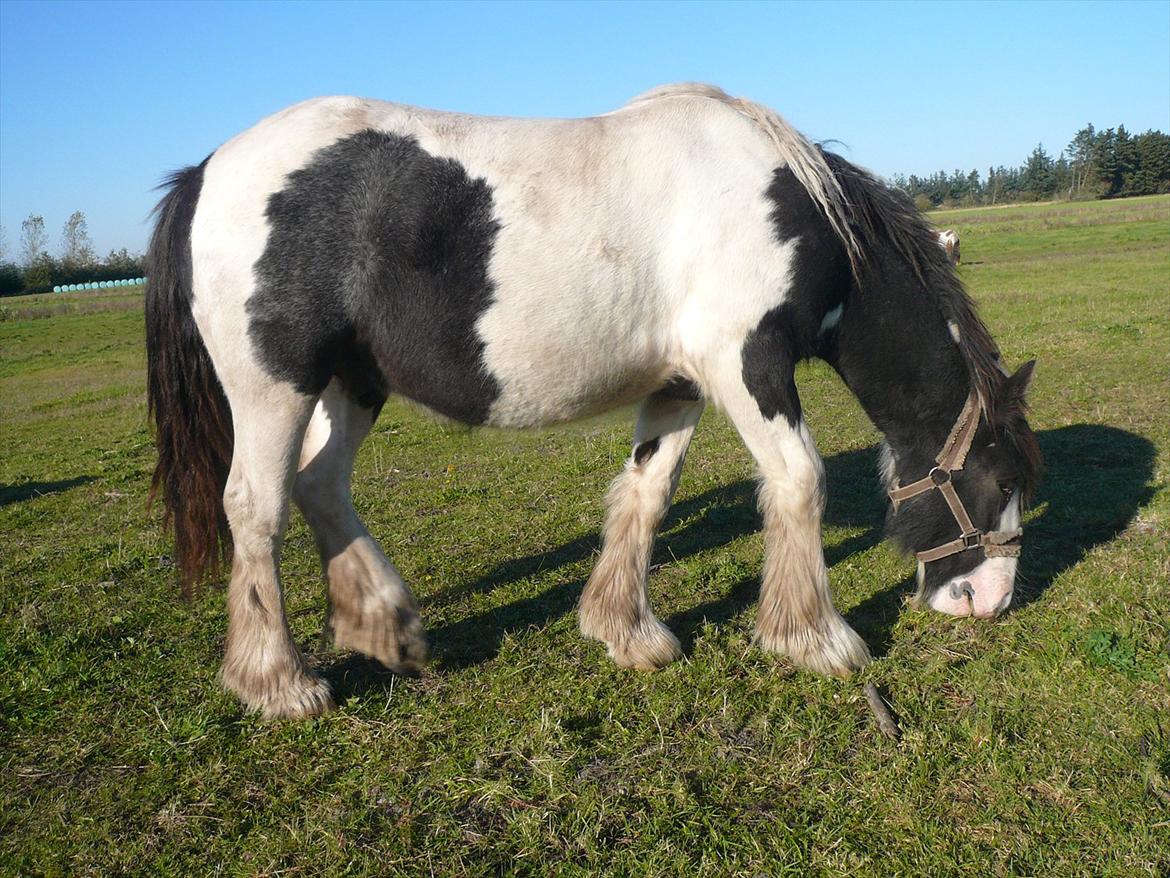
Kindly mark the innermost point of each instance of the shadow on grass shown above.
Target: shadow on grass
(28, 490)
(355, 674)
(695, 525)
(1097, 478)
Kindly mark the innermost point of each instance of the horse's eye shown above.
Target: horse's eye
(1007, 489)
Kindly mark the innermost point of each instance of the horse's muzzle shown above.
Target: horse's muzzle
(984, 593)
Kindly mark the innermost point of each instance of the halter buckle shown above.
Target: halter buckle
(971, 540)
(939, 476)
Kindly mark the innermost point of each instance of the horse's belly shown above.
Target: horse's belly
(518, 366)
(575, 340)
(579, 321)
(566, 384)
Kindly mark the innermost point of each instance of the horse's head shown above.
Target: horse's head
(958, 509)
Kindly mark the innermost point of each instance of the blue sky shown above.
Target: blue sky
(98, 100)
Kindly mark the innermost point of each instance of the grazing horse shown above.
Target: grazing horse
(686, 248)
(948, 239)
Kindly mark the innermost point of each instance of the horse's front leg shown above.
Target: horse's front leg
(615, 607)
(796, 614)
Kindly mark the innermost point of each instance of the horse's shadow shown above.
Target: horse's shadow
(1096, 479)
(29, 490)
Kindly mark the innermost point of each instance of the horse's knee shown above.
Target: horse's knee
(235, 497)
(796, 502)
(327, 508)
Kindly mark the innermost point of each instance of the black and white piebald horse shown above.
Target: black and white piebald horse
(948, 239)
(688, 247)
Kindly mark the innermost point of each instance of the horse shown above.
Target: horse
(684, 249)
(948, 239)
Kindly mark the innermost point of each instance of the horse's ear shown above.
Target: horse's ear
(1017, 385)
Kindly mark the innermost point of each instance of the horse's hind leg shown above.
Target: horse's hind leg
(614, 606)
(370, 608)
(262, 664)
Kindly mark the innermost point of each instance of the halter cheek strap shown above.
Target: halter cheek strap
(1000, 543)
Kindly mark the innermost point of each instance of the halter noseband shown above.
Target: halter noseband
(998, 543)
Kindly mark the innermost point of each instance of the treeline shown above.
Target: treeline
(1097, 164)
(35, 270)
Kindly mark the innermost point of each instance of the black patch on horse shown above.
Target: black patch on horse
(820, 281)
(645, 451)
(768, 364)
(376, 271)
(680, 388)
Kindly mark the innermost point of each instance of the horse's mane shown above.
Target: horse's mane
(882, 217)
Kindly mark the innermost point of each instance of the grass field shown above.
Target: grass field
(1037, 744)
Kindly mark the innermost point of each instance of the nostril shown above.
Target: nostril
(959, 590)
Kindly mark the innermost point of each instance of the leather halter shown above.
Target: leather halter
(997, 543)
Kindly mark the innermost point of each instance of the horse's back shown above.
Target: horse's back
(463, 261)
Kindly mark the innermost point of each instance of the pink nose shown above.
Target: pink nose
(983, 612)
(962, 598)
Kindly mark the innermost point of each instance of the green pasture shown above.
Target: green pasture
(1037, 744)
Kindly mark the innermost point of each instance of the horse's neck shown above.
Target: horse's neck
(896, 354)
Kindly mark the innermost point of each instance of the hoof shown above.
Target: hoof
(307, 696)
(646, 646)
(392, 634)
(832, 649)
(298, 695)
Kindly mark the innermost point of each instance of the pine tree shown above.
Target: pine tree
(974, 188)
(1037, 176)
(1105, 163)
(1061, 175)
(1127, 160)
(1153, 151)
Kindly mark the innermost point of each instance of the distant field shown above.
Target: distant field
(1037, 744)
(58, 304)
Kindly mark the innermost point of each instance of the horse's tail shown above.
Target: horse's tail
(192, 420)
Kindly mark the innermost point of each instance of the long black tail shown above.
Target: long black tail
(192, 420)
